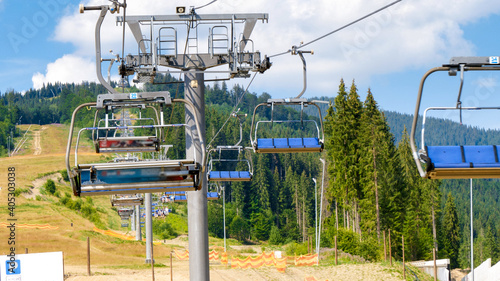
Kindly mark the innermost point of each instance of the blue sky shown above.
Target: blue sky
(48, 41)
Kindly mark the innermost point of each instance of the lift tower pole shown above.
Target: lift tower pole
(197, 201)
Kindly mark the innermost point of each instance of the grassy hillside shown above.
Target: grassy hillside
(72, 228)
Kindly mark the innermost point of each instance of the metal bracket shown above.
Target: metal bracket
(133, 99)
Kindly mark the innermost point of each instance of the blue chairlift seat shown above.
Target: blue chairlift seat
(212, 195)
(180, 198)
(284, 145)
(229, 176)
(462, 162)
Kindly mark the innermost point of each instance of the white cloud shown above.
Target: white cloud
(409, 35)
(68, 69)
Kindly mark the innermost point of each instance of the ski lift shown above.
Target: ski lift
(126, 200)
(127, 141)
(231, 173)
(213, 193)
(125, 213)
(133, 177)
(312, 143)
(461, 161)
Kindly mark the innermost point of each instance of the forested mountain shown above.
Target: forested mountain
(371, 185)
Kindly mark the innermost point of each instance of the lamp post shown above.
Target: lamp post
(224, 214)
(321, 204)
(471, 233)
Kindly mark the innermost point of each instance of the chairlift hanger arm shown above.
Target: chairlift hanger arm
(253, 122)
(104, 9)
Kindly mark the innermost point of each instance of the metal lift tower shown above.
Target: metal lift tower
(156, 38)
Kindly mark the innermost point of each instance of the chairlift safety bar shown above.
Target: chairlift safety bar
(424, 117)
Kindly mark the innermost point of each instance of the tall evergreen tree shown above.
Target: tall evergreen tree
(451, 231)
(377, 165)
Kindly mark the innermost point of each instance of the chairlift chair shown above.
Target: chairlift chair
(313, 143)
(224, 168)
(126, 200)
(125, 143)
(88, 179)
(125, 213)
(228, 175)
(462, 161)
(214, 192)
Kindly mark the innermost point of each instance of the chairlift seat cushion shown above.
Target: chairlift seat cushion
(447, 157)
(311, 143)
(245, 175)
(265, 143)
(212, 195)
(281, 143)
(214, 175)
(480, 154)
(296, 142)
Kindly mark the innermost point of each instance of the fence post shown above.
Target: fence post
(385, 248)
(390, 247)
(404, 268)
(152, 262)
(435, 267)
(171, 269)
(88, 257)
(336, 253)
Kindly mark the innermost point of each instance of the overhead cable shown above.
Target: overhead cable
(234, 109)
(197, 8)
(340, 28)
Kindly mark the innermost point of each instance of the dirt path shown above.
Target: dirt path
(36, 144)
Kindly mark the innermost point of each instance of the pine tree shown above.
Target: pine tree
(416, 220)
(451, 231)
(377, 163)
(343, 127)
